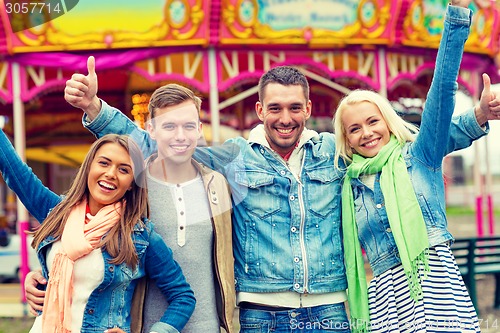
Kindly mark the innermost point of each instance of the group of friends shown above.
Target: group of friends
(158, 234)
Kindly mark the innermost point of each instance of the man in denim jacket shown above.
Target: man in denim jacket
(286, 202)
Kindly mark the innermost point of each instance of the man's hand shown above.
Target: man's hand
(34, 296)
(489, 103)
(81, 91)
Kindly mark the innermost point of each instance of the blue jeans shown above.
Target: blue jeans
(323, 318)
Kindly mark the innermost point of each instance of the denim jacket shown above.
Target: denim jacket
(286, 229)
(109, 305)
(423, 157)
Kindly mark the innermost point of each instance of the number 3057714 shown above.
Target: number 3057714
(32, 8)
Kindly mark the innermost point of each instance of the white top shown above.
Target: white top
(88, 273)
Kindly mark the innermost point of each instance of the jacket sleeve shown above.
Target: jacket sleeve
(112, 121)
(167, 274)
(37, 198)
(464, 130)
(440, 103)
(219, 157)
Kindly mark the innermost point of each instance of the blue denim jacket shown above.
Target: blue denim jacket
(286, 230)
(423, 157)
(109, 305)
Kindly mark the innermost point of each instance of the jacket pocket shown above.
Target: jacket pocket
(323, 190)
(259, 192)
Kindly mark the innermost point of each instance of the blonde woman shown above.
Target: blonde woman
(393, 203)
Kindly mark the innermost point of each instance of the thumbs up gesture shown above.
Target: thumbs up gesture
(489, 103)
(81, 91)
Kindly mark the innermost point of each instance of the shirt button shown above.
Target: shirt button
(293, 314)
(91, 311)
(296, 259)
(292, 198)
(379, 206)
(296, 286)
(111, 268)
(293, 229)
(388, 230)
(282, 172)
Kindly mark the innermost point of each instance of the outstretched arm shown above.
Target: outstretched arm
(440, 103)
(37, 198)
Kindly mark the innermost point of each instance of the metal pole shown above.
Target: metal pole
(20, 145)
(214, 95)
(478, 184)
(382, 69)
(488, 185)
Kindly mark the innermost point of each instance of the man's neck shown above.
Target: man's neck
(286, 155)
(169, 172)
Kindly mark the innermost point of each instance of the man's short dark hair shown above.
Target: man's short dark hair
(284, 75)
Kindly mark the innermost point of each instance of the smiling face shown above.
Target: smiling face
(284, 111)
(110, 176)
(366, 130)
(176, 130)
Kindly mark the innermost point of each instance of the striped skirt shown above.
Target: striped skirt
(446, 305)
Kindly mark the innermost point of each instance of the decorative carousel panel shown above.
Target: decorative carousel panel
(5, 91)
(110, 24)
(318, 22)
(423, 25)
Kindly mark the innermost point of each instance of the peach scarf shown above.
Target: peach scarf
(81, 235)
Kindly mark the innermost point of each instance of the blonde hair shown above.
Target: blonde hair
(401, 129)
(118, 241)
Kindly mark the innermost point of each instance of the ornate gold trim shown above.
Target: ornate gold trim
(46, 37)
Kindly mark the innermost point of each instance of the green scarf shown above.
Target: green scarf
(405, 219)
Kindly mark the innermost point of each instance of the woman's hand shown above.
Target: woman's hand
(461, 3)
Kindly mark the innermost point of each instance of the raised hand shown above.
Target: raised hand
(489, 103)
(81, 91)
(461, 3)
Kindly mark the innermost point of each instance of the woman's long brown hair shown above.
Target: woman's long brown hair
(118, 241)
